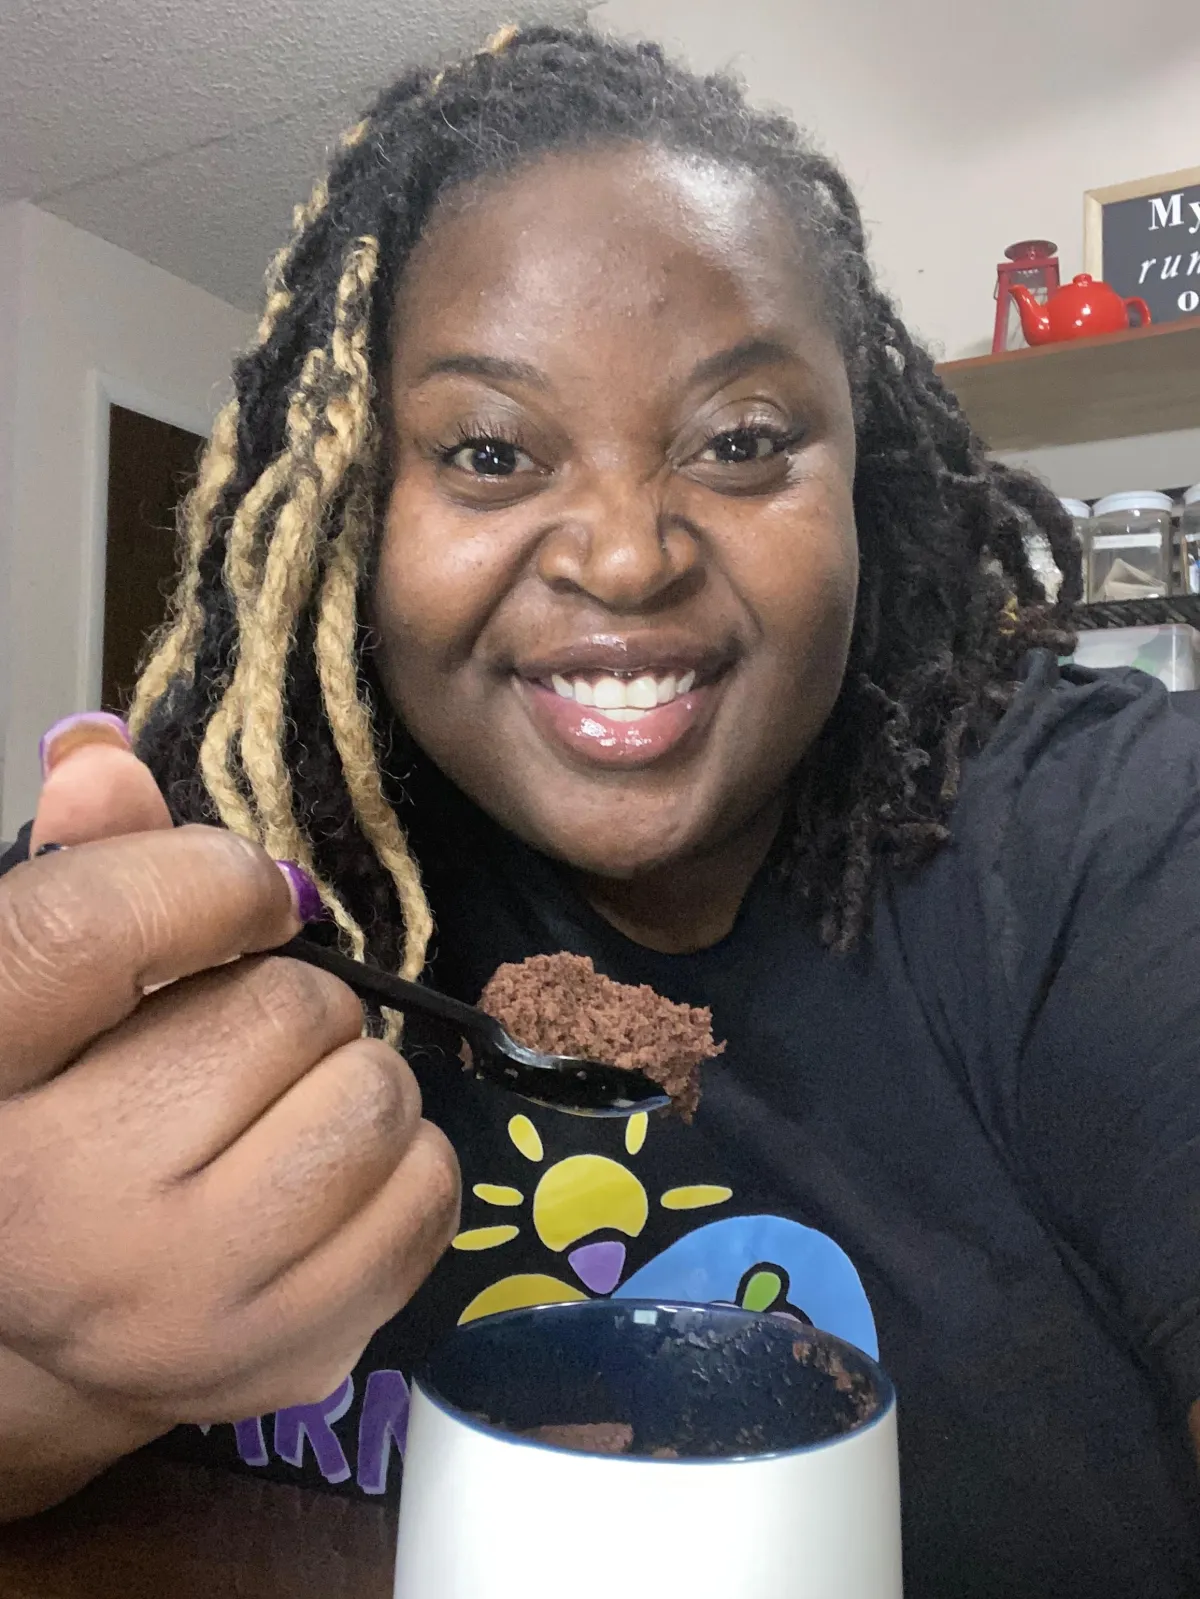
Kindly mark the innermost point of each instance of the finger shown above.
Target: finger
(313, 1324)
(385, 1251)
(198, 1063)
(84, 933)
(93, 784)
(315, 1158)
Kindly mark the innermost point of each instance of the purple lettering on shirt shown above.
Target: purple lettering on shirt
(384, 1421)
(251, 1445)
(315, 1422)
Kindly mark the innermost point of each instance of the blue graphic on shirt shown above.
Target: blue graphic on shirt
(710, 1266)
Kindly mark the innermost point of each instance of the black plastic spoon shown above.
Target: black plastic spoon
(588, 1087)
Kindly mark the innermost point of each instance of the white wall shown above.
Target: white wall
(1086, 471)
(962, 127)
(91, 322)
(10, 282)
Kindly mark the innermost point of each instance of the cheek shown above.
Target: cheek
(433, 586)
(799, 574)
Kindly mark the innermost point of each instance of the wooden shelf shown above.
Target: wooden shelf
(1145, 380)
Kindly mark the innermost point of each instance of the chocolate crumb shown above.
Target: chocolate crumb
(561, 1005)
(586, 1438)
(863, 1398)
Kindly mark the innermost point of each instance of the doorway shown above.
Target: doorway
(151, 467)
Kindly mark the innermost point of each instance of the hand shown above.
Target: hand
(210, 1197)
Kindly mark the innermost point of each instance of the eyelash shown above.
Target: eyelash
(478, 434)
(783, 439)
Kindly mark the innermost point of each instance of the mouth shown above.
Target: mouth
(625, 702)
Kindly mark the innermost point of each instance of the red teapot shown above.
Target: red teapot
(1079, 310)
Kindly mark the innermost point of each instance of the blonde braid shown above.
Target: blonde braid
(353, 137)
(496, 46)
(175, 649)
(242, 579)
(501, 39)
(250, 525)
(219, 780)
(353, 734)
(279, 296)
(337, 665)
(254, 702)
(323, 445)
(288, 575)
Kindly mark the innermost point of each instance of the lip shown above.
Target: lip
(586, 736)
(631, 655)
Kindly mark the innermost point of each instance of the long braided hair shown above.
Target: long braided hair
(258, 708)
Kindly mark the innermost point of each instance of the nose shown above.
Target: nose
(619, 544)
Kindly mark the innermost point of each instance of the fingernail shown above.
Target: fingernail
(47, 849)
(73, 732)
(305, 895)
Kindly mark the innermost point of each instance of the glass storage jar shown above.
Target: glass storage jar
(1189, 542)
(1129, 547)
(1041, 558)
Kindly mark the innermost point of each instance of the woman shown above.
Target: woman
(587, 529)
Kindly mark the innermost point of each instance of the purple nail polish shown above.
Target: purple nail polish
(85, 727)
(305, 896)
(47, 849)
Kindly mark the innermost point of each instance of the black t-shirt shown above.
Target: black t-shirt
(973, 1146)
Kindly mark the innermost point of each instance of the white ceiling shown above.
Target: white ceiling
(185, 130)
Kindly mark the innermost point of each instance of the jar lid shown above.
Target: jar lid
(1080, 507)
(1192, 496)
(1133, 500)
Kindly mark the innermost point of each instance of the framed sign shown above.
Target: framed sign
(1144, 238)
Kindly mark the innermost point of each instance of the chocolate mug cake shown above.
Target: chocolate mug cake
(562, 1005)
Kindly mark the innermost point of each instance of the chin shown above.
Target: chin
(619, 863)
(615, 847)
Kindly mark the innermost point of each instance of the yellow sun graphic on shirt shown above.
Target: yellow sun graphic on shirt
(574, 1199)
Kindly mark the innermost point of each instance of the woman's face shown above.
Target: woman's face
(617, 578)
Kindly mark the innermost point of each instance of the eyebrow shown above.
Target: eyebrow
(729, 364)
(489, 367)
(720, 368)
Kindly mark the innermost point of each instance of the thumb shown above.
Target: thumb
(93, 785)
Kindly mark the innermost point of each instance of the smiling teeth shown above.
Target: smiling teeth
(623, 699)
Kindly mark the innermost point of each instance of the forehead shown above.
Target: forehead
(631, 235)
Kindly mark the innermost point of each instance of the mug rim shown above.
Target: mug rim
(884, 1386)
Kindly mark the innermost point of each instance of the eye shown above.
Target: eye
(488, 458)
(744, 444)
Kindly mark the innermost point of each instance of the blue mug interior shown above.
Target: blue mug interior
(702, 1382)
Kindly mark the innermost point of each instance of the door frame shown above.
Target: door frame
(103, 391)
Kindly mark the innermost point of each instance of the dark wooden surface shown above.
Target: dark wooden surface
(155, 1530)
(151, 466)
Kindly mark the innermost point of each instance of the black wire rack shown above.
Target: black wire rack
(1138, 613)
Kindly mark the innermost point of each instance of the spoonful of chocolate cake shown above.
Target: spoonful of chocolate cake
(556, 1031)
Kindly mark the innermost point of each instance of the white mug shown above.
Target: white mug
(783, 1482)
